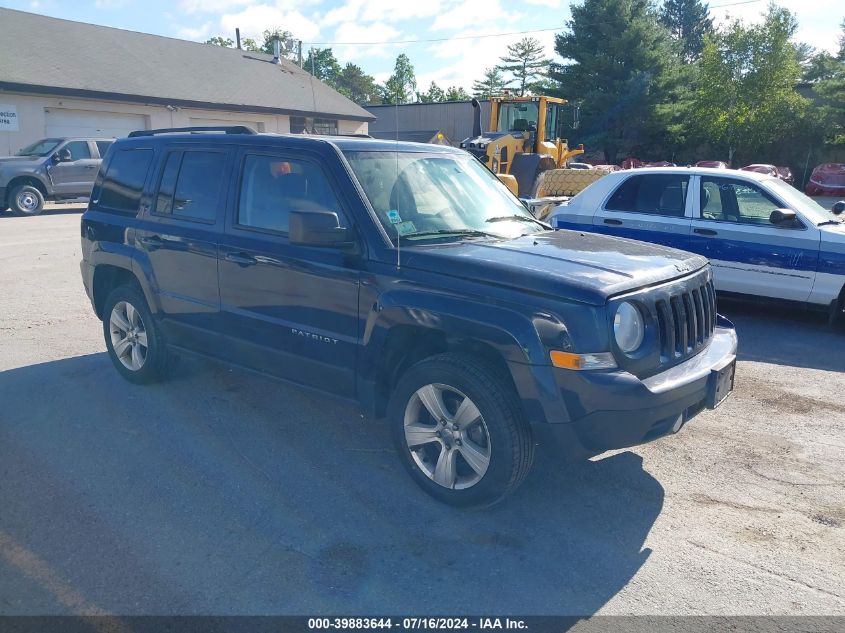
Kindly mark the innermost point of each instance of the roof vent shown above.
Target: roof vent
(277, 53)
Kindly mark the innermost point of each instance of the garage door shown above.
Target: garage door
(64, 122)
(200, 122)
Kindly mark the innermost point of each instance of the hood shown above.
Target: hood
(585, 267)
(21, 160)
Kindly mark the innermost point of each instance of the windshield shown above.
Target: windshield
(417, 195)
(40, 148)
(802, 203)
(518, 116)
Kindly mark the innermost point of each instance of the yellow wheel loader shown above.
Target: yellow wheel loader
(525, 140)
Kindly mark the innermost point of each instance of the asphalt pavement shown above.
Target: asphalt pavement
(224, 492)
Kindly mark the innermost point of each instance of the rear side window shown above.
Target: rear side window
(124, 181)
(191, 185)
(79, 150)
(103, 147)
(272, 187)
(659, 194)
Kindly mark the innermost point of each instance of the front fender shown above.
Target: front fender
(517, 334)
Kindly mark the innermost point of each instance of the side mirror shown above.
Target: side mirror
(317, 228)
(62, 156)
(783, 217)
(838, 208)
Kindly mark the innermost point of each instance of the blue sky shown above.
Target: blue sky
(358, 23)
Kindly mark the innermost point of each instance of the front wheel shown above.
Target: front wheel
(459, 430)
(133, 339)
(26, 200)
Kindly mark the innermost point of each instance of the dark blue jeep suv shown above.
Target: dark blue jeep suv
(407, 278)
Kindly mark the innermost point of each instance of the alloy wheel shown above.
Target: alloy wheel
(447, 436)
(128, 335)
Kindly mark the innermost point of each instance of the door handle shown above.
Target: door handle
(241, 259)
(152, 242)
(705, 231)
(613, 222)
(90, 166)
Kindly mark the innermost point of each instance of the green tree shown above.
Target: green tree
(618, 64)
(434, 94)
(286, 38)
(322, 63)
(249, 44)
(841, 55)
(401, 86)
(689, 23)
(745, 99)
(526, 61)
(491, 85)
(456, 93)
(217, 40)
(353, 83)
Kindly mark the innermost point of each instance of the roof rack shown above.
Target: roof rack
(231, 129)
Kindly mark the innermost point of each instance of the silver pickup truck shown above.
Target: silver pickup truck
(50, 169)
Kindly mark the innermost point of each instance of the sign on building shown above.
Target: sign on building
(8, 118)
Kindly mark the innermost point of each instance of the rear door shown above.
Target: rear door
(179, 235)
(749, 254)
(648, 207)
(288, 310)
(76, 176)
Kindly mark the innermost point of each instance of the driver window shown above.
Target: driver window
(552, 111)
(272, 187)
(726, 200)
(78, 150)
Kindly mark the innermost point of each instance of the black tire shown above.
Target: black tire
(26, 200)
(510, 445)
(154, 366)
(836, 318)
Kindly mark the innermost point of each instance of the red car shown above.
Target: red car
(769, 170)
(827, 179)
(715, 164)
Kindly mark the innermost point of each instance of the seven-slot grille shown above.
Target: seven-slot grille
(685, 321)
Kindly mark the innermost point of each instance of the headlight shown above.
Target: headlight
(628, 328)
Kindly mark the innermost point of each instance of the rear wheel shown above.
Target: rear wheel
(133, 339)
(26, 200)
(460, 431)
(836, 320)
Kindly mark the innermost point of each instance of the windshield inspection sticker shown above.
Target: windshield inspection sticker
(393, 216)
(406, 228)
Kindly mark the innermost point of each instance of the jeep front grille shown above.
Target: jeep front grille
(685, 322)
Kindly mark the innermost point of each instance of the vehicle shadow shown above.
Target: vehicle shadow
(785, 335)
(225, 493)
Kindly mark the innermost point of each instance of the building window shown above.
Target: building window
(309, 125)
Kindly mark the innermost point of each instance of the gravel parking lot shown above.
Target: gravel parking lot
(223, 492)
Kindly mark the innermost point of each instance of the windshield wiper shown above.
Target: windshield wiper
(439, 232)
(518, 218)
(828, 222)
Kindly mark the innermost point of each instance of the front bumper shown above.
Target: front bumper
(612, 410)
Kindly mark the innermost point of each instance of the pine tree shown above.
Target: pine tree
(688, 22)
(456, 93)
(491, 85)
(355, 84)
(434, 94)
(618, 64)
(526, 61)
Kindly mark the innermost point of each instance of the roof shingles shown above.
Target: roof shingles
(109, 62)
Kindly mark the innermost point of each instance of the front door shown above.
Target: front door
(75, 177)
(179, 235)
(649, 207)
(288, 310)
(749, 254)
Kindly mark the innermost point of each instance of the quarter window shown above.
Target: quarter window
(124, 181)
(103, 147)
(727, 200)
(191, 185)
(272, 187)
(659, 194)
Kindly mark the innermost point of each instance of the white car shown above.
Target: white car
(763, 237)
